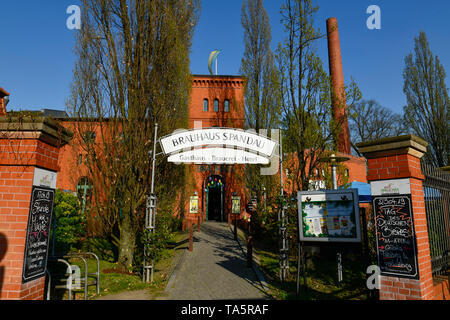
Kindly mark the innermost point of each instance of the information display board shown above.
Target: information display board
(329, 216)
(38, 233)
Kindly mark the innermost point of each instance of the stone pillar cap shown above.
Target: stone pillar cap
(406, 144)
(42, 128)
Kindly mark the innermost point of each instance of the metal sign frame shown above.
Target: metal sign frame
(325, 198)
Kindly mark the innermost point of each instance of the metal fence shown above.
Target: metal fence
(436, 187)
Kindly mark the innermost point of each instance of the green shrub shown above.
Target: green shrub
(156, 243)
(70, 228)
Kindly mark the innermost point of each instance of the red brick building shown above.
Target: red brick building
(216, 101)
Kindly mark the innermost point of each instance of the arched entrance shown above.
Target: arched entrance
(215, 197)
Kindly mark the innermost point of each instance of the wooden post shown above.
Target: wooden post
(191, 237)
(235, 227)
(249, 252)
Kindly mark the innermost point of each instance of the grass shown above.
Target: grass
(113, 282)
(321, 276)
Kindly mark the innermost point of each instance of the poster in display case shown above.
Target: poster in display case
(329, 216)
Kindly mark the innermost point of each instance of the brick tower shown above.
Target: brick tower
(339, 102)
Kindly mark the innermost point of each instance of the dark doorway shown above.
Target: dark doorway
(215, 189)
(214, 207)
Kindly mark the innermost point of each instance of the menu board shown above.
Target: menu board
(38, 233)
(329, 215)
(396, 242)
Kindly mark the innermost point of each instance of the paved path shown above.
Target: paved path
(215, 269)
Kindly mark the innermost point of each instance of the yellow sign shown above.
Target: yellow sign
(193, 204)
(236, 205)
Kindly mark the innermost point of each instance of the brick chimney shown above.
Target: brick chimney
(3, 94)
(339, 102)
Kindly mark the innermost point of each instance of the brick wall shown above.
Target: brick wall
(15, 188)
(394, 167)
(20, 154)
(28, 151)
(392, 288)
(399, 158)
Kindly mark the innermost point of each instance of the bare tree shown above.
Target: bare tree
(371, 121)
(132, 72)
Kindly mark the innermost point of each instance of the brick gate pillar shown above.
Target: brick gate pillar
(394, 161)
(25, 144)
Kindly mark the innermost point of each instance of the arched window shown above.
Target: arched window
(84, 192)
(205, 105)
(226, 106)
(216, 105)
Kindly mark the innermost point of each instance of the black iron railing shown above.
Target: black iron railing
(436, 187)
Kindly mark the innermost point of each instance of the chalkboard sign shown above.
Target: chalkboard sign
(396, 241)
(38, 233)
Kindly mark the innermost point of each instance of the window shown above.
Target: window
(226, 106)
(84, 192)
(216, 105)
(80, 159)
(205, 105)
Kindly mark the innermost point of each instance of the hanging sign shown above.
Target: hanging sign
(394, 223)
(329, 216)
(227, 146)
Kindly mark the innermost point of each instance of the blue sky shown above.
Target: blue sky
(36, 50)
